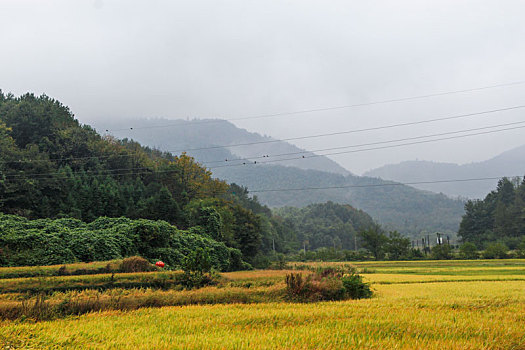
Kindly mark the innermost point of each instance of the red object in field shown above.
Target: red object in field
(159, 264)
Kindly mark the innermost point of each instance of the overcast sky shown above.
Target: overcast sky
(230, 59)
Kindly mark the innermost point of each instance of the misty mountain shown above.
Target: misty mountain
(398, 207)
(218, 137)
(509, 163)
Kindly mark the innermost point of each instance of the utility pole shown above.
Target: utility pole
(355, 243)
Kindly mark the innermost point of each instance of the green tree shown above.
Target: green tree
(441, 252)
(374, 240)
(397, 246)
(468, 251)
(495, 251)
(197, 262)
(247, 233)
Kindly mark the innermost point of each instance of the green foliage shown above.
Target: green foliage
(374, 240)
(397, 247)
(323, 225)
(355, 287)
(45, 242)
(246, 231)
(330, 254)
(206, 213)
(499, 217)
(441, 252)
(53, 167)
(197, 262)
(197, 269)
(84, 175)
(495, 251)
(469, 251)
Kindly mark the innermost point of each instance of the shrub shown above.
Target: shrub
(495, 251)
(136, 264)
(327, 284)
(198, 262)
(355, 287)
(468, 250)
(441, 252)
(197, 269)
(296, 286)
(235, 261)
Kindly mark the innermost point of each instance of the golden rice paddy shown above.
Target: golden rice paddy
(425, 305)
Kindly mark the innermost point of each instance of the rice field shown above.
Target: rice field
(417, 305)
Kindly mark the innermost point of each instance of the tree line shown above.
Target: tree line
(498, 218)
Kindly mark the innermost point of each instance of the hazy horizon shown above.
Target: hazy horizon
(233, 59)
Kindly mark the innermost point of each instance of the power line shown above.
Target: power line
(375, 148)
(152, 171)
(371, 143)
(381, 127)
(324, 109)
(356, 130)
(348, 186)
(381, 185)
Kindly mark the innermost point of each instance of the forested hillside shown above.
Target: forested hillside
(69, 194)
(500, 217)
(401, 208)
(53, 167)
(326, 225)
(397, 207)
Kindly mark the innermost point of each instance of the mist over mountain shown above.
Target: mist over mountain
(509, 163)
(219, 137)
(397, 207)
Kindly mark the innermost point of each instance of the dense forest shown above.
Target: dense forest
(500, 217)
(59, 180)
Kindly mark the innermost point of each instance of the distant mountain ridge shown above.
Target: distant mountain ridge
(220, 138)
(509, 163)
(397, 207)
